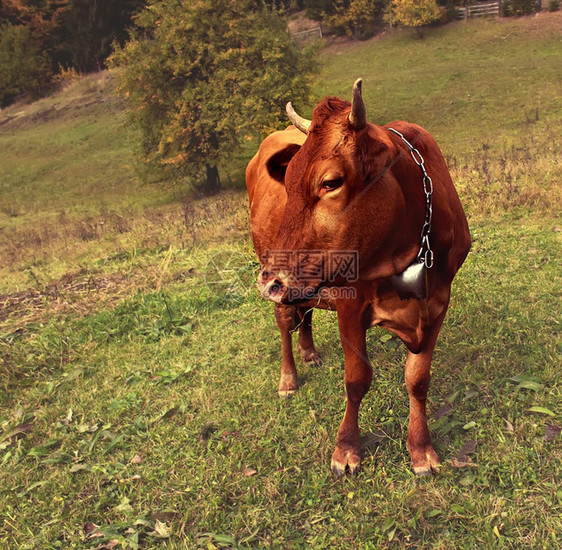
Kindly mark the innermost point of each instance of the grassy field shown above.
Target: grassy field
(138, 403)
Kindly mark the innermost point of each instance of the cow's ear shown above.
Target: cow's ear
(277, 164)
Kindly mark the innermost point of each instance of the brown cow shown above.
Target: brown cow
(382, 195)
(265, 176)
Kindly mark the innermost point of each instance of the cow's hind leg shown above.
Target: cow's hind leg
(286, 317)
(306, 344)
(417, 376)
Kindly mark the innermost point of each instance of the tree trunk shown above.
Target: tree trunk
(213, 183)
(420, 32)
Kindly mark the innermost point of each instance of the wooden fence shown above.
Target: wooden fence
(475, 10)
(309, 33)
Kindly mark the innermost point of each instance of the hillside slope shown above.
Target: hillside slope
(489, 90)
(138, 395)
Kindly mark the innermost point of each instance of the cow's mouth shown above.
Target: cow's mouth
(296, 295)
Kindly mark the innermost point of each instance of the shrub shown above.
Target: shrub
(416, 13)
(357, 18)
(518, 7)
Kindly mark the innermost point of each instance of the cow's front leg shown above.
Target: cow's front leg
(286, 321)
(358, 376)
(417, 376)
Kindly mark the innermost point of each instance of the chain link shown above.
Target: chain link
(425, 253)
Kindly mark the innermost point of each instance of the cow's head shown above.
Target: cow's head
(341, 202)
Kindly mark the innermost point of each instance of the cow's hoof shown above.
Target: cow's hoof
(288, 384)
(345, 462)
(426, 465)
(310, 356)
(422, 470)
(286, 393)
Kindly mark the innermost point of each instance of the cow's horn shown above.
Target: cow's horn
(357, 117)
(301, 123)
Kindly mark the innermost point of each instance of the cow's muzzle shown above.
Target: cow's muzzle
(272, 286)
(278, 288)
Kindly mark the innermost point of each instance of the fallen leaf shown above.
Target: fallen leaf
(167, 516)
(83, 428)
(92, 531)
(206, 431)
(78, 467)
(161, 530)
(552, 432)
(109, 545)
(249, 471)
(444, 410)
(509, 427)
(531, 385)
(74, 374)
(458, 509)
(137, 459)
(90, 527)
(19, 430)
(468, 448)
(541, 410)
(128, 479)
(124, 505)
(463, 463)
(67, 419)
(169, 413)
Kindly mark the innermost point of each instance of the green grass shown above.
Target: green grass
(488, 76)
(138, 398)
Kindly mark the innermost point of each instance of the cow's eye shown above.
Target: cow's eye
(332, 184)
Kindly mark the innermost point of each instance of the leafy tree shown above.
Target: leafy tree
(42, 18)
(23, 68)
(416, 13)
(203, 75)
(358, 18)
(76, 33)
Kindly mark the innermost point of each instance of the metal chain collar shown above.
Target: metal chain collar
(425, 253)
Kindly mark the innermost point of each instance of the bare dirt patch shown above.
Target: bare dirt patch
(80, 293)
(77, 292)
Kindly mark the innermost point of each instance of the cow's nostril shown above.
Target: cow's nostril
(277, 287)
